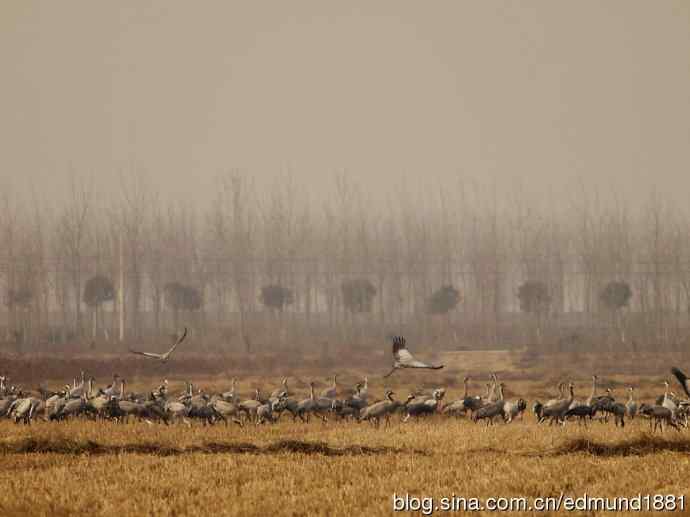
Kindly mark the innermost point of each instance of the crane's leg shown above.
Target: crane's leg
(390, 373)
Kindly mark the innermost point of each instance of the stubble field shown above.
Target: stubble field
(317, 469)
(337, 468)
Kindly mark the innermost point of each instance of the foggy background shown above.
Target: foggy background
(228, 147)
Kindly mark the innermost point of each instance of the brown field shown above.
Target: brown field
(82, 467)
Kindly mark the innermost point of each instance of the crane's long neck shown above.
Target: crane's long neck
(311, 392)
(572, 393)
(630, 396)
(122, 389)
(500, 392)
(465, 395)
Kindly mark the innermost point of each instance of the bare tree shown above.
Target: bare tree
(40, 273)
(156, 251)
(133, 211)
(236, 194)
(9, 221)
(72, 232)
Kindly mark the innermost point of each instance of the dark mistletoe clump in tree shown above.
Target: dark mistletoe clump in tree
(534, 297)
(616, 295)
(181, 297)
(443, 300)
(20, 297)
(98, 290)
(276, 297)
(358, 294)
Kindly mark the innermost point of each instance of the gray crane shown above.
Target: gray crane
(513, 409)
(582, 413)
(283, 389)
(561, 396)
(164, 356)
(489, 412)
(404, 359)
(72, 408)
(592, 396)
(332, 392)
(231, 396)
(424, 407)
(658, 415)
(668, 401)
(384, 409)
(556, 411)
(310, 406)
(353, 405)
(462, 405)
(250, 407)
(631, 405)
(24, 409)
(176, 410)
(265, 412)
(363, 390)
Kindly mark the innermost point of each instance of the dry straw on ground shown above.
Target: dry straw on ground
(315, 469)
(95, 468)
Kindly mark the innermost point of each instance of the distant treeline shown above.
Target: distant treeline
(454, 267)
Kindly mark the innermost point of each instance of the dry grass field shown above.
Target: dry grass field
(92, 468)
(316, 469)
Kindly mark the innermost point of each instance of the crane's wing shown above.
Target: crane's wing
(145, 354)
(172, 349)
(419, 364)
(683, 379)
(398, 344)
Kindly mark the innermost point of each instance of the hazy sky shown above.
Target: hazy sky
(545, 91)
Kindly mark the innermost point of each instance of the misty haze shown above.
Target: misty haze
(405, 221)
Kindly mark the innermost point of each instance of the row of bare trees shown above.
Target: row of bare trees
(463, 265)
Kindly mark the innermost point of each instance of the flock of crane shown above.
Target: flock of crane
(82, 399)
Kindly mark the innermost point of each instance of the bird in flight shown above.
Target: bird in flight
(404, 359)
(682, 379)
(162, 357)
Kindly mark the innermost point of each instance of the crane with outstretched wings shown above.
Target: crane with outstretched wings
(402, 358)
(165, 356)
